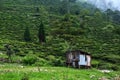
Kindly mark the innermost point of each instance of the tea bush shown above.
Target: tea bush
(29, 59)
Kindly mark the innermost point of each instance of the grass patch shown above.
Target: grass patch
(18, 72)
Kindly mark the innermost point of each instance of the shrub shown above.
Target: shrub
(51, 59)
(117, 31)
(115, 68)
(16, 59)
(95, 63)
(58, 62)
(112, 58)
(55, 61)
(104, 65)
(41, 62)
(29, 59)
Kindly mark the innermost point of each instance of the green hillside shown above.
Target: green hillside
(68, 26)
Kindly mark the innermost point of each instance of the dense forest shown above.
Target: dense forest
(39, 32)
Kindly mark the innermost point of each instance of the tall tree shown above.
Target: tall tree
(27, 34)
(41, 33)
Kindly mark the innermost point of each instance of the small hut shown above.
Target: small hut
(78, 59)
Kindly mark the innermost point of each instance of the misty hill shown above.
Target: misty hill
(105, 4)
(68, 26)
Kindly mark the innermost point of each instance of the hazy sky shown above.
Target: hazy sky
(103, 4)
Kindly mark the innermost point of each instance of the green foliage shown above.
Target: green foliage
(95, 63)
(54, 61)
(1, 4)
(25, 77)
(104, 65)
(64, 7)
(112, 58)
(115, 68)
(29, 59)
(41, 62)
(117, 30)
